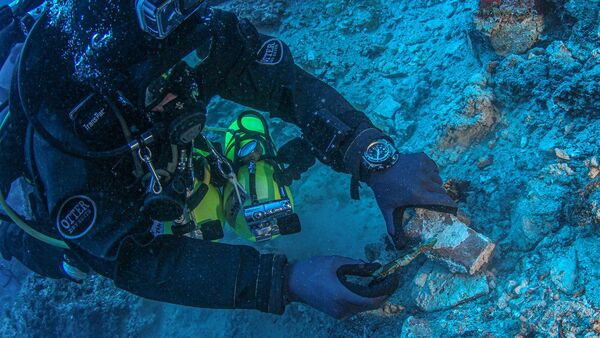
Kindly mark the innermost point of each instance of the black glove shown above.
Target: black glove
(297, 157)
(322, 283)
(413, 182)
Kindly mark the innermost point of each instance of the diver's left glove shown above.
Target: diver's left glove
(322, 282)
(399, 181)
(412, 182)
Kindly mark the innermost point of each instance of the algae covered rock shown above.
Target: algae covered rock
(563, 271)
(537, 214)
(513, 26)
(262, 14)
(414, 326)
(475, 122)
(581, 95)
(588, 263)
(51, 308)
(517, 78)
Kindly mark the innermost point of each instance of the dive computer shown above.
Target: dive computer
(379, 155)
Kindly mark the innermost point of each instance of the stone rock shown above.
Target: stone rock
(392, 309)
(419, 327)
(415, 327)
(512, 26)
(560, 169)
(584, 208)
(593, 166)
(485, 161)
(563, 271)
(58, 307)
(435, 288)
(581, 95)
(458, 247)
(387, 108)
(537, 214)
(365, 18)
(517, 78)
(19, 197)
(562, 154)
(588, 263)
(262, 14)
(475, 122)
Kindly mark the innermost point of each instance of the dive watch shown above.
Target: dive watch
(379, 155)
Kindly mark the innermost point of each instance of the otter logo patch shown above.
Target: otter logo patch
(270, 53)
(76, 216)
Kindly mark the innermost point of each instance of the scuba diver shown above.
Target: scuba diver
(107, 116)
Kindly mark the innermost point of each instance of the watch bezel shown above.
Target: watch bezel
(385, 163)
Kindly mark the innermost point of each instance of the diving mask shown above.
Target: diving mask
(160, 17)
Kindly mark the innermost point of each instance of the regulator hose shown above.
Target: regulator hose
(27, 228)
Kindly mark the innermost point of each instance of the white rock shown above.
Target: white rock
(563, 271)
(444, 290)
(387, 108)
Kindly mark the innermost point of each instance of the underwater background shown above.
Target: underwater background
(503, 94)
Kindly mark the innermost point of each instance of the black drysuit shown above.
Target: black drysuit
(240, 65)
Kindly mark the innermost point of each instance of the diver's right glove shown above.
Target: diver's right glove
(322, 282)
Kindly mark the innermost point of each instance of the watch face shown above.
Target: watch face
(378, 152)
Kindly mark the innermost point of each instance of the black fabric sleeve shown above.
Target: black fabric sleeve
(200, 273)
(258, 71)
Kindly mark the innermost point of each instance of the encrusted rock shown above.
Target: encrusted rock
(475, 122)
(262, 14)
(563, 271)
(416, 327)
(435, 288)
(513, 26)
(584, 209)
(458, 247)
(594, 167)
(392, 309)
(485, 161)
(588, 264)
(580, 96)
(537, 214)
(373, 251)
(53, 308)
(562, 154)
(387, 108)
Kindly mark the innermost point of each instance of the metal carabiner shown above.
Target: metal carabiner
(155, 185)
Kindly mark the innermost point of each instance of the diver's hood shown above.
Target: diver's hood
(102, 37)
(104, 40)
(53, 79)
